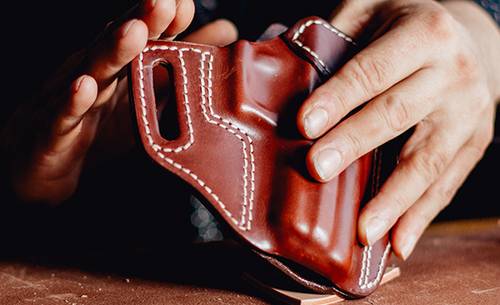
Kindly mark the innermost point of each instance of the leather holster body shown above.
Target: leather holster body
(239, 147)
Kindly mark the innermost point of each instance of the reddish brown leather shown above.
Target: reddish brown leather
(239, 148)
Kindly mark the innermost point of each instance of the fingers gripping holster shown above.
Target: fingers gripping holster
(239, 148)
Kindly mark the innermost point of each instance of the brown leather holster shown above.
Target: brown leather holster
(238, 146)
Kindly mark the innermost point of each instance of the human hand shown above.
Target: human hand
(428, 66)
(84, 109)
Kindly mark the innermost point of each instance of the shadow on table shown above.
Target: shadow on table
(131, 221)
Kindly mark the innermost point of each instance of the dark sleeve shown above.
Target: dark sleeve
(252, 17)
(492, 7)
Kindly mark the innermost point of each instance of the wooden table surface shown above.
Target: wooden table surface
(454, 263)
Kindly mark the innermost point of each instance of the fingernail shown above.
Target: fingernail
(375, 229)
(315, 121)
(79, 82)
(327, 163)
(128, 26)
(407, 246)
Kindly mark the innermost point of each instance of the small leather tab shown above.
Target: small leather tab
(324, 46)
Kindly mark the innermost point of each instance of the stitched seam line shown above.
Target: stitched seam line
(365, 270)
(367, 255)
(234, 130)
(144, 107)
(159, 150)
(380, 269)
(303, 27)
(362, 279)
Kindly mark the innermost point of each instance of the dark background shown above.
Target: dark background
(112, 209)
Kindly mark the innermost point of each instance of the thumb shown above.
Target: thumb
(221, 32)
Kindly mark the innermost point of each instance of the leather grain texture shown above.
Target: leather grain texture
(239, 148)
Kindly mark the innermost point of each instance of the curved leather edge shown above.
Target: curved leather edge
(321, 44)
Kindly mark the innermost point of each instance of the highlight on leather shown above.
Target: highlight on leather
(238, 147)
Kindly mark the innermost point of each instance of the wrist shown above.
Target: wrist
(485, 34)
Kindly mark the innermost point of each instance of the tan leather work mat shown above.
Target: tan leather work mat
(455, 263)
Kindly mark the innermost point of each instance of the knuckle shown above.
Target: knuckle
(427, 216)
(423, 217)
(476, 152)
(479, 145)
(369, 73)
(354, 144)
(440, 23)
(401, 203)
(482, 140)
(397, 202)
(430, 164)
(444, 193)
(395, 113)
(468, 74)
(341, 105)
(466, 65)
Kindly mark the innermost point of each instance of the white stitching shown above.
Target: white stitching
(144, 109)
(365, 270)
(367, 255)
(368, 265)
(379, 270)
(187, 171)
(328, 26)
(365, 265)
(303, 27)
(234, 130)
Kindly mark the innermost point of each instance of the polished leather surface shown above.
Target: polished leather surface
(239, 148)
